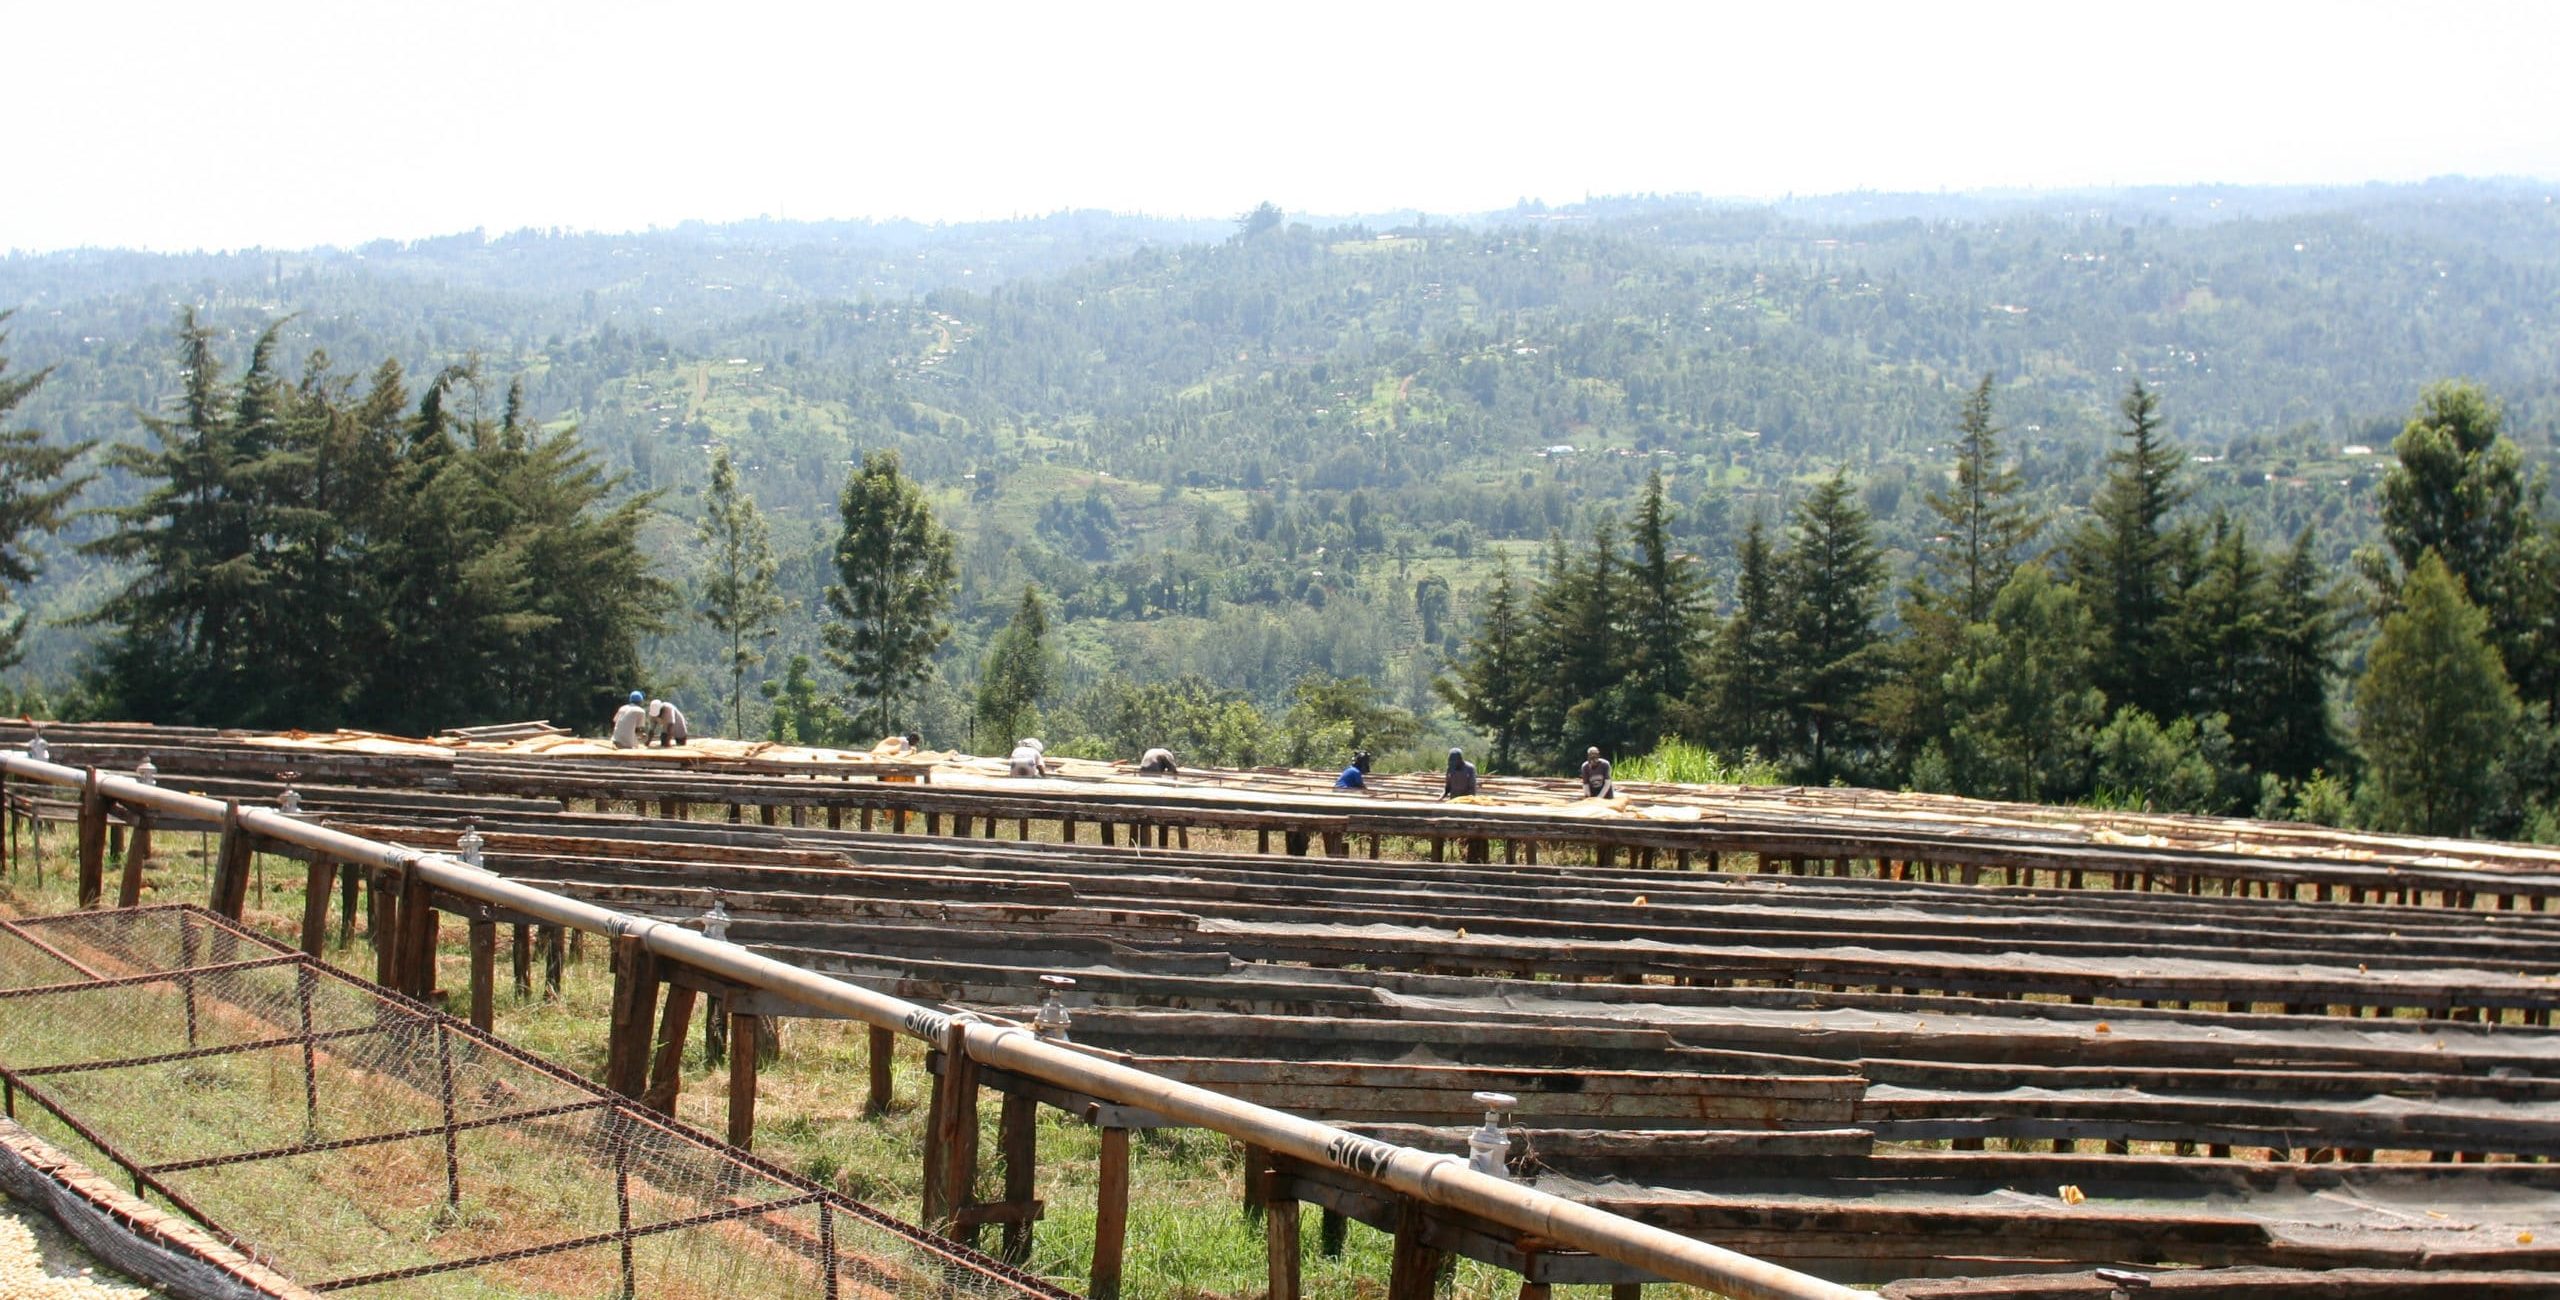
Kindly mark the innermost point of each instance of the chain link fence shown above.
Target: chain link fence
(356, 1141)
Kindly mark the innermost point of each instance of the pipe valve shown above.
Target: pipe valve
(147, 772)
(1051, 1022)
(715, 920)
(1488, 1149)
(469, 844)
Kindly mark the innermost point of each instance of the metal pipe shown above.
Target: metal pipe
(1425, 1176)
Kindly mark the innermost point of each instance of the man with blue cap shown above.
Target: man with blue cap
(627, 722)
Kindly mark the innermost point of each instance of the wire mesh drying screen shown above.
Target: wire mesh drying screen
(355, 1141)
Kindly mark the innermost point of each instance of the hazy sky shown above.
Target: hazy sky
(286, 123)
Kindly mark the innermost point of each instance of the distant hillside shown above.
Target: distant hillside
(1237, 453)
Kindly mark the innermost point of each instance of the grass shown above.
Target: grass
(1188, 1236)
(1688, 764)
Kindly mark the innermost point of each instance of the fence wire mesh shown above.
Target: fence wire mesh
(356, 1141)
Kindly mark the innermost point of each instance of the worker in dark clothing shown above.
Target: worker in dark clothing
(1595, 776)
(1360, 759)
(1158, 762)
(1460, 780)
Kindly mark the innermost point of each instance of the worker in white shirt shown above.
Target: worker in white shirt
(666, 723)
(627, 722)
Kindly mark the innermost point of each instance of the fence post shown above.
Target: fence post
(1279, 1228)
(418, 925)
(1110, 1214)
(1018, 1139)
(483, 935)
(951, 1154)
(884, 1044)
(743, 1032)
(1415, 1270)
(231, 864)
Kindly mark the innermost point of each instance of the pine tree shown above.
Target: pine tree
(2128, 560)
(894, 568)
(1985, 530)
(1016, 675)
(2436, 714)
(1490, 686)
(738, 596)
(1662, 622)
(1745, 687)
(2289, 732)
(2220, 630)
(33, 495)
(2019, 693)
(1585, 657)
(1833, 575)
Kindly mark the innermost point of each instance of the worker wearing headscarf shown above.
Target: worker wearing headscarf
(1026, 756)
(1460, 780)
(1158, 762)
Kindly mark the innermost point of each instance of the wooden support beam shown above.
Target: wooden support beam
(1414, 1271)
(1018, 1141)
(1281, 1249)
(382, 921)
(317, 882)
(93, 844)
(231, 865)
(481, 936)
(666, 1064)
(635, 1008)
(418, 924)
(884, 1044)
(1110, 1214)
(137, 860)
(745, 1036)
(951, 1148)
(520, 958)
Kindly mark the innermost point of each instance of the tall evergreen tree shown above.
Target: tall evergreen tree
(1585, 660)
(2290, 732)
(1664, 604)
(1016, 675)
(1745, 684)
(1490, 686)
(2435, 713)
(2220, 629)
(2019, 695)
(739, 598)
(33, 495)
(894, 566)
(2128, 560)
(1834, 574)
(1985, 527)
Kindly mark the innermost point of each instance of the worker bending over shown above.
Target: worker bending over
(627, 722)
(1026, 759)
(1595, 776)
(666, 723)
(1460, 780)
(1158, 762)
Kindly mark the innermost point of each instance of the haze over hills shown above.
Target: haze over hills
(1234, 448)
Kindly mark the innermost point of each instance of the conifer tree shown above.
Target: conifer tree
(2220, 629)
(1662, 621)
(1582, 650)
(2019, 697)
(1833, 575)
(2289, 731)
(2435, 713)
(1490, 687)
(33, 495)
(1985, 529)
(738, 596)
(1016, 675)
(1745, 685)
(2127, 559)
(894, 567)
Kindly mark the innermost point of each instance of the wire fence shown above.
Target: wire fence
(354, 1140)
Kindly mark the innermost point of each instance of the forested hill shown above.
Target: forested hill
(1235, 449)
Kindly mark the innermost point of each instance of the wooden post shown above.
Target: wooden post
(1626, 1291)
(1066, 830)
(551, 963)
(1110, 1214)
(1279, 1234)
(137, 859)
(418, 922)
(1414, 1272)
(884, 1045)
(230, 865)
(635, 1007)
(1331, 1231)
(349, 880)
(383, 899)
(951, 1148)
(1018, 1140)
(666, 1065)
(743, 1033)
(315, 902)
(482, 934)
(93, 844)
(520, 958)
